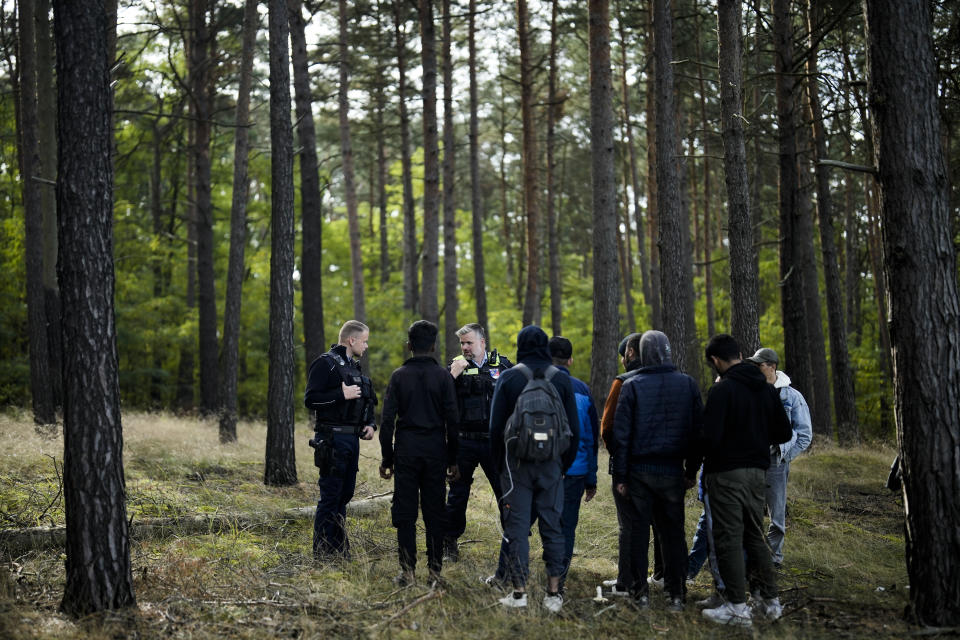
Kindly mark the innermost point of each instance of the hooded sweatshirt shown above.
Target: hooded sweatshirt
(659, 414)
(799, 415)
(533, 351)
(742, 418)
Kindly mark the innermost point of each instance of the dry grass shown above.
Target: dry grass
(844, 541)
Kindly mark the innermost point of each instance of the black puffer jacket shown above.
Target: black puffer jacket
(659, 414)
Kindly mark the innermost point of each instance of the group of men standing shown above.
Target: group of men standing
(534, 431)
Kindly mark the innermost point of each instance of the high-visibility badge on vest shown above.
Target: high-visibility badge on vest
(494, 373)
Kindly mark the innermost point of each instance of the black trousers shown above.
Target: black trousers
(419, 478)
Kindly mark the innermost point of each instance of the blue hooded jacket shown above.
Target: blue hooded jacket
(533, 351)
(585, 464)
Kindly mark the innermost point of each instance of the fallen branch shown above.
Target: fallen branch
(430, 595)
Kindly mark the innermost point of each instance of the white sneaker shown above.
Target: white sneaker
(511, 601)
(729, 613)
(553, 604)
(770, 608)
(715, 600)
(618, 592)
(654, 583)
(610, 583)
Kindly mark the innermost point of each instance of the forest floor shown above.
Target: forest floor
(844, 574)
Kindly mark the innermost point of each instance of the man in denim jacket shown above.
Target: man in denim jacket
(781, 455)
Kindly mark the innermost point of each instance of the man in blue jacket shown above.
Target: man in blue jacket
(659, 415)
(780, 455)
(580, 481)
(532, 486)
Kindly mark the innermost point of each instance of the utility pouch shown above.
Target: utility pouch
(323, 455)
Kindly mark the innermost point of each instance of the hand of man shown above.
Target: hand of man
(458, 366)
(622, 488)
(453, 473)
(386, 472)
(367, 433)
(351, 392)
(589, 494)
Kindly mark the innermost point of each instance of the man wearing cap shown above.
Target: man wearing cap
(580, 480)
(781, 455)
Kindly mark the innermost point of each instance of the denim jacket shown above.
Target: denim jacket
(799, 414)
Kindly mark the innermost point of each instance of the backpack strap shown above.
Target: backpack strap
(549, 372)
(525, 370)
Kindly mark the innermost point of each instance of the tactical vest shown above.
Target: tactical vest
(475, 392)
(357, 412)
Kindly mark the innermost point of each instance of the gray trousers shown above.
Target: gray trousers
(532, 488)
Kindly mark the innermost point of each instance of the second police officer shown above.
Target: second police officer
(475, 374)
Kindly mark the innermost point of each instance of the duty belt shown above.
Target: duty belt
(475, 435)
(339, 428)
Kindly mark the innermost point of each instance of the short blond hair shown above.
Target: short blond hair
(351, 328)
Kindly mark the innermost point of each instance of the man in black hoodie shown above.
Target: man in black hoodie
(742, 418)
(532, 486)
(421, 404)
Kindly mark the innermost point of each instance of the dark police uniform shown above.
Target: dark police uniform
(474, 392)
(339, 423)
(421, 403)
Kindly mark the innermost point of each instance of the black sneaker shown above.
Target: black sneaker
(641, 602)
(451, 551)
(675, 605)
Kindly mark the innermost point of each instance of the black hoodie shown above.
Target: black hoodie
(742, 418)
(533, 351)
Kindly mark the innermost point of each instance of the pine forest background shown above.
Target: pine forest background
(176, 89)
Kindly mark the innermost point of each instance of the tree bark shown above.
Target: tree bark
(47, 120)
(450, 285)
(44, 410)
(202, 88)
(380, 102)
(554, 109)
(796, 357)
(98, 573)
(653, 189)
(431, 164)
(476, 192)
(531, 182)
(346, 153)
(848, 430)
(606, 279)
(921, 268)
(280, 467)
(311, 198)
(744, 309)
(229, 356)
(674, 269)
(410, 255)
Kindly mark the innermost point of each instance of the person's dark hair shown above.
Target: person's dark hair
(724, 347)
(422, 335)
(561, 350)
(633, 343)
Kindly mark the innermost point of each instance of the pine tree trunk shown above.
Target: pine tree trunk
(653, 188)
(848, 431)
(311, 198)
(531, 182)
(431, 164)
(554, 108)
(380, 102)
(98, 573)
(606, 280)
(450, 284)
(674, 268)
(44, 411)
(349, 182)
(707, 191)
(280, 467)
(47, 120)
(201, 92)
(921, 268)
(229, 356)
(185, 370)
(796, 356)
(476, 192)
(410, 255)
(744, 309)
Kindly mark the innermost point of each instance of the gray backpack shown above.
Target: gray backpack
(538, 429)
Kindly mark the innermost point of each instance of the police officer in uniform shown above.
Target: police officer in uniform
(343, 400)
(475, 374)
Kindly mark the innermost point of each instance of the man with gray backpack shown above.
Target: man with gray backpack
(534, 433)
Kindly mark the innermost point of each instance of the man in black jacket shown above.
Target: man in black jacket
(342, 399)
(742, 418)
(420, 404)
(659, 416)
(532, 486)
